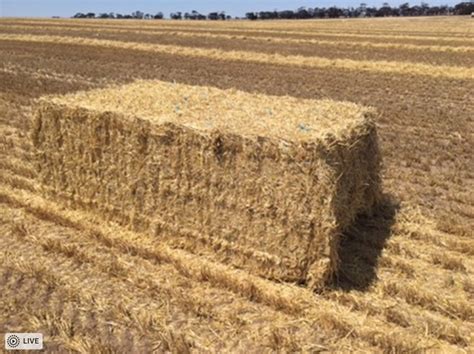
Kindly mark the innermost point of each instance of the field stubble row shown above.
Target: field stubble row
(331, 49)
(382, 66)
(415, 43)
(359, 30)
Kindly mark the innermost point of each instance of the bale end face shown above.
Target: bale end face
(263, 183)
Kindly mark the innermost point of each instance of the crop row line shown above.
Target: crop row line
(253, 29)
(386, 67)
(279, 40)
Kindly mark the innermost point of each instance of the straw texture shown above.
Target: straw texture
(263, 183)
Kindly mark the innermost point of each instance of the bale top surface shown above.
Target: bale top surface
(208, 109)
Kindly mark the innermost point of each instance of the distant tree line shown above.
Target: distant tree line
(424, 9)
(135, 15)
(193, 15)
(463, 8)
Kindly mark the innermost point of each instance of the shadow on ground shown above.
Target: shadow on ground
(362, 246)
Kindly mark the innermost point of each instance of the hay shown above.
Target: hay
(209, 33)
(314, 62)
(263, 183)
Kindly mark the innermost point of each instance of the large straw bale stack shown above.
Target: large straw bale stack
(264, 183)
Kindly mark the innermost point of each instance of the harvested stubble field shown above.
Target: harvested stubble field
(405, 279)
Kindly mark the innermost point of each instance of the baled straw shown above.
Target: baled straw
(263, 183)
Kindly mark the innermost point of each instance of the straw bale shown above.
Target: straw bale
(263, 183)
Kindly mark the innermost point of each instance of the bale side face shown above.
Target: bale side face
(272, 207)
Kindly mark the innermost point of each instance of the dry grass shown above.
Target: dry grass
(442, 71)
(177, 31)
(404, 282)
(358, 29)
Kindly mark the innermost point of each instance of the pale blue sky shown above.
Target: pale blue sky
(66, 8)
